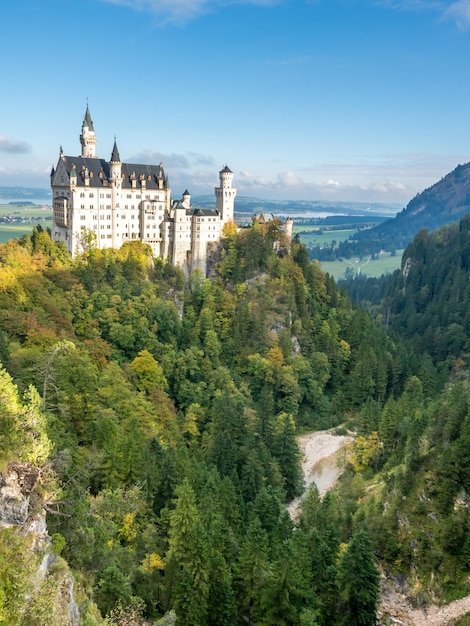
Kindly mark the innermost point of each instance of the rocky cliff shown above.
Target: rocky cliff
(37, 584)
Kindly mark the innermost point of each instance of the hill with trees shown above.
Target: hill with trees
(157, 419)
(445, 202)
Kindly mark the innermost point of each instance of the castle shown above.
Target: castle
(122, 202)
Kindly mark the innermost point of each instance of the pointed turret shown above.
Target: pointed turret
(115, 158)
(186, 199)
(87, 121)
(88, 137)
(115, 164)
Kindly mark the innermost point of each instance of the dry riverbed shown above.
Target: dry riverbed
(319, 462)
(320, 465)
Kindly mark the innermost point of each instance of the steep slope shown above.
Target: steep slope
(446, 201)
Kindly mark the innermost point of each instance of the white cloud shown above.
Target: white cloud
(289, 179)
(289, 185)
(13, 146)
(183, 11)
(460, 12)
(248, 179)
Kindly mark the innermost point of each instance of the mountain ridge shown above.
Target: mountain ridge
(448, 200)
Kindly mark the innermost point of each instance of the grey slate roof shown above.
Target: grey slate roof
(99, 172)
(115, 158)
(204, 212)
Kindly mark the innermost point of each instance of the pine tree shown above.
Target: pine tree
(358, 582)
(188, 554)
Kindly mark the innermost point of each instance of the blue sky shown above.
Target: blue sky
(361, 100)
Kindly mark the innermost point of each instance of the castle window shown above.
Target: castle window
(82, 195)
(102, 236)
(90, 195)
(83, 217)
(101, 195)
(108, 195)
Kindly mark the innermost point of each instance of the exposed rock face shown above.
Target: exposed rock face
(18, 501)
(16, 486)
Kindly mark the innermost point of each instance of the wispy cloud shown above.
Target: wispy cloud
(457, 11)
(182, 11)
(13, 146)
(393, 178)
(172, 160)
(414, 5)
(460, 12)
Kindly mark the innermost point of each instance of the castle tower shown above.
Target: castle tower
(115, 171)
(88, 137)
(225, 195)
(186, 200)
(115, 166)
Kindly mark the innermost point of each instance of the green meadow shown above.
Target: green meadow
(342, 268)
(385, 264)
(13, 230)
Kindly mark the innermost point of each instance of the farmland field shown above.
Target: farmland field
(318, 237)
(366, 266)
(385, 264)
(17, 226)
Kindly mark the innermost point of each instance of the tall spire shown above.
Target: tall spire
(87, 121)
(115, 158)
(88, 137)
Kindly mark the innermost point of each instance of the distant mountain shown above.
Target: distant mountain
(24, 193)
(446, 201)
(246, 205)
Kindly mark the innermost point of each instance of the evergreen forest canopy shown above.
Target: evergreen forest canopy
(160, 417)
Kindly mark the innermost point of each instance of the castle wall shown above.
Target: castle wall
(121, 202)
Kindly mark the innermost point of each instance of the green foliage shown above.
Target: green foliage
(359, 582)
(168, 414)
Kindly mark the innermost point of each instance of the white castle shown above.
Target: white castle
(122, 202)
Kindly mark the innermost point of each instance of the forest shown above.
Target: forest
(155, 417)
